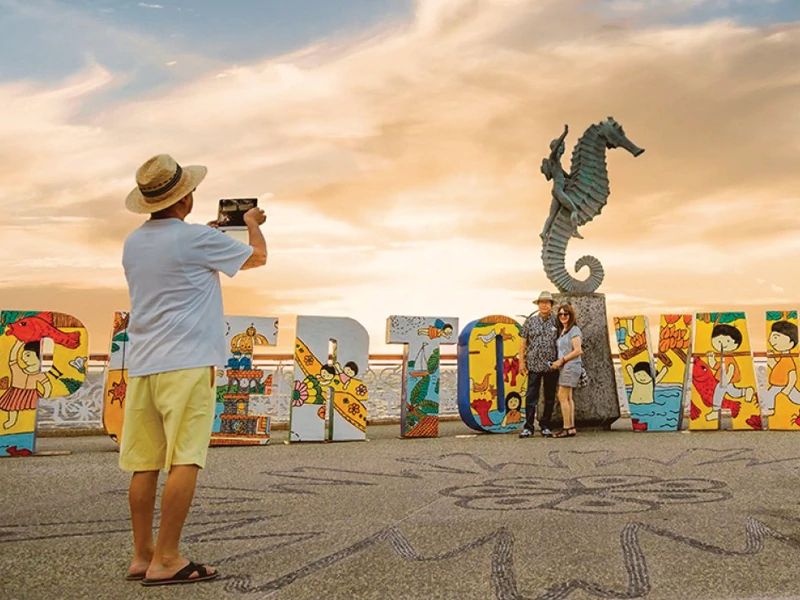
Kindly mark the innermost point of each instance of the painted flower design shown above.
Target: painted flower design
(308, 359)
(361, 390)
(299, 393)
(353, 409)
(610, 494)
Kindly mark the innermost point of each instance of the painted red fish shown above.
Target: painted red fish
(638, 425)
(37, 327)
(705, 381)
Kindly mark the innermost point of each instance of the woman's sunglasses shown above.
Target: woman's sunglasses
(563, 314)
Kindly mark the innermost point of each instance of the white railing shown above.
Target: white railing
(84, 409)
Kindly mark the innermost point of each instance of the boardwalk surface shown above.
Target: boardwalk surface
(604, 515)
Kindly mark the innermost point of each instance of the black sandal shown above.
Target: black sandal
(565, 433)
(184, 576)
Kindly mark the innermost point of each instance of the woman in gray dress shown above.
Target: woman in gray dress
(568, 365)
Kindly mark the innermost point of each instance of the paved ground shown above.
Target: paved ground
(605, 515)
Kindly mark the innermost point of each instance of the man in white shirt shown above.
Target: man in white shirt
(176, 338)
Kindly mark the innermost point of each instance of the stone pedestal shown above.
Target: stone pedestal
(596, 405)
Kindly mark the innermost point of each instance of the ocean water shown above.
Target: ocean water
(20, 440)
(665, 411)
(218, 408)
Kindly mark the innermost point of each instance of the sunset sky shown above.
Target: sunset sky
(396, 145)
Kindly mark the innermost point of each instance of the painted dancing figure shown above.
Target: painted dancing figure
(726, 339)
(27, 384)
(783, 367)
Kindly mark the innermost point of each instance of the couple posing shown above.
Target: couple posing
(551, 356)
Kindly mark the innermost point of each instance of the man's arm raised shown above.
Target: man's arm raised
(254, 218)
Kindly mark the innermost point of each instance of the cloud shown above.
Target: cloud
(404, 165)
(146, 5)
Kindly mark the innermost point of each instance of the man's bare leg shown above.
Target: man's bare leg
(175, 502)
(142, 500)
(548, 224)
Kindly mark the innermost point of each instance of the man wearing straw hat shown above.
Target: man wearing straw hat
(537, 353)
(176, 337)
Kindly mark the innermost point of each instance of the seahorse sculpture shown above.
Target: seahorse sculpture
(578, 197)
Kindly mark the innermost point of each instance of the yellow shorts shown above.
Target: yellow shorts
(168, 420)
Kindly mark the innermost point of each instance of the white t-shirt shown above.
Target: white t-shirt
(176, 319)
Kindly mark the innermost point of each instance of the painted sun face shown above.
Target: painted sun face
(781, 343)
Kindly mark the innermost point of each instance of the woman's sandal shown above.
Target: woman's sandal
(565, 433)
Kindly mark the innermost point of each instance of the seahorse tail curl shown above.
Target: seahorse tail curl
(554, 258)
(596, 274)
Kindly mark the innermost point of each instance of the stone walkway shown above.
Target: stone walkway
(604, 515)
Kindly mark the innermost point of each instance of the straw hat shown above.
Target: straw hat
(161, 182)
(545, 297)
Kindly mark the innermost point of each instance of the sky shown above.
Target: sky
(395, 146)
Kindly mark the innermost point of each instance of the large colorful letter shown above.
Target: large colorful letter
(419, 397)
(329, 395)
(23, 384)
(655, 395)
(781, 398)
(240, 384)
(490, 385)
(723, 377)
(116, 380)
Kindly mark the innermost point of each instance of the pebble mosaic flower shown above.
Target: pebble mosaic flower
(614, 494)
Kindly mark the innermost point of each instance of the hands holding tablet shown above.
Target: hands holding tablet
(255, 216)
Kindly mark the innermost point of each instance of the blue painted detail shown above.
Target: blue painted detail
(498, 376)
(463, 389)
(22, 441)
(664, 414)
(218, 408)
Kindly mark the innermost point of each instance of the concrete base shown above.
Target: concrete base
(596, 405)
